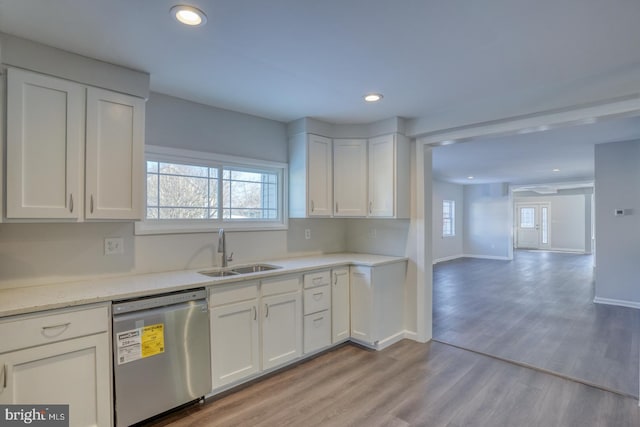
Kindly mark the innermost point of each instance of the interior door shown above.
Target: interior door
(532, 226)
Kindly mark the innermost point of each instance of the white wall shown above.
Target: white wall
(445, 248)
(570, 220)
(44, 253)
(487, 221)
(617, 171)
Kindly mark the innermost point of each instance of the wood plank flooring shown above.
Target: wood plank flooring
(411, 384)
(538, 310)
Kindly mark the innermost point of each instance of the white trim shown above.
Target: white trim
(176, 155)
(411, 335)
(617, 302)
(389, 341)
(447, 258)
(499, 258)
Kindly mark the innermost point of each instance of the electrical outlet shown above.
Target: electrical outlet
(307, 233)
(113, 245)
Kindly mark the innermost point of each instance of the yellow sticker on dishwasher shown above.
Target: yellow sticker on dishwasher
(152, 340)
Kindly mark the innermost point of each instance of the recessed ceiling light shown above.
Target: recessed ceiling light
(556, 170)
(470, 177)
(373, 97)
(189, 15)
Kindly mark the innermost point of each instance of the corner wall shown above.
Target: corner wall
(617, 171)
(487, 221)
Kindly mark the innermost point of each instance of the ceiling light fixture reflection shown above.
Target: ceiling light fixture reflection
(189, 15)
(373, 97)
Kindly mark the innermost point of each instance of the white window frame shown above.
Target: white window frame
(452, 210)
(200, 158)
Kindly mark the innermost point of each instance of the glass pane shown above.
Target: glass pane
(152, 213)
(152, 166)
(545, 225)
(183, 191)
(189, 170)
(183, 213)
(152, 190)
(527, 218)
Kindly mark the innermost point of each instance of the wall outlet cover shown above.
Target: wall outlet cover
(113, 245)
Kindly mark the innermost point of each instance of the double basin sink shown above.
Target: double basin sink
(235, 271)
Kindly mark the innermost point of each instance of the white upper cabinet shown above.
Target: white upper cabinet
(389, 177)
(310, 176)
(350, 177)
(114, 165)
(48, 120)
(45, 138)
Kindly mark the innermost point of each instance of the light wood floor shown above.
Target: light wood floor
(538, 310)
(412, 384)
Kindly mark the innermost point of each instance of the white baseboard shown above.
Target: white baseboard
(618, 302)
(389, 341)
(447, 258)
(411, 335)
(499, 258)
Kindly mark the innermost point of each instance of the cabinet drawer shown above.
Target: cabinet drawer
(36, 330)
(320, 278)
(317, 299)
(280, 286)
(317, 331)
(232, 293)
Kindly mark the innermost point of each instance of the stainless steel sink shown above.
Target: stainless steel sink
(219, 273)
(245, 269)
(254, 268)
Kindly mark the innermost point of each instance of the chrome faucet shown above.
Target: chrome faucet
(222, 248)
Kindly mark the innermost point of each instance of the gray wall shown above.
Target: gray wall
(174, 122)
(617, 184)
(488, 216)
(445, 248)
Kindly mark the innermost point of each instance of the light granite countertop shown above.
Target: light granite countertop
(29, 299)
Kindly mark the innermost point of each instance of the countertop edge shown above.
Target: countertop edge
(35, 299)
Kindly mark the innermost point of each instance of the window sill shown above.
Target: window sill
(144, 228)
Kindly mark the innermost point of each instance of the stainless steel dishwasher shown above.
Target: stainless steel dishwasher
(161, 354)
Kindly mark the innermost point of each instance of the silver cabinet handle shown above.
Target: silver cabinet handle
(71, 202)
(337, 210)
(266, 307)
(335, 279)
(61, 325)
(255, 313)
(313, 207)
(370, 206)
(318, 295)
(91, 204)
(4, 376)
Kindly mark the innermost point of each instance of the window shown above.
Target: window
(527, 217)
(448, 218)
(193, 191)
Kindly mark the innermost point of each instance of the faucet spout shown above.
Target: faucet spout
(222, 247)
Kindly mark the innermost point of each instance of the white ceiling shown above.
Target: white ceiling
(445, 63)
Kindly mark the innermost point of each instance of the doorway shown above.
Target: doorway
(532, 225)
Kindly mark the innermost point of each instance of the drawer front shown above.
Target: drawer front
(232, 293)
(317, 331)
(317, 299)
(280, 286)
(55, 326)
(320, 278)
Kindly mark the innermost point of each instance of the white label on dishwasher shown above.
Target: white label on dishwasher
(129, 346)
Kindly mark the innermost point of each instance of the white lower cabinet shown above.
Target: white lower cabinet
(235, 344)
(340, 324)
(62, 357)
(317, 311)
(377, 304)
(281, 329)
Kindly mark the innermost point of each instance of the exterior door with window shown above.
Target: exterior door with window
(532, 226)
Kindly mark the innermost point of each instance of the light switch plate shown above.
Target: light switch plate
(113, 245)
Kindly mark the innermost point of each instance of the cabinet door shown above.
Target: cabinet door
(74, 372)
(319, 176)
(340, 305)
(234, 342)
(361, 305)
(115, 155)
(382, 176)
(350, 177)
(281, 329)
(45, 136)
